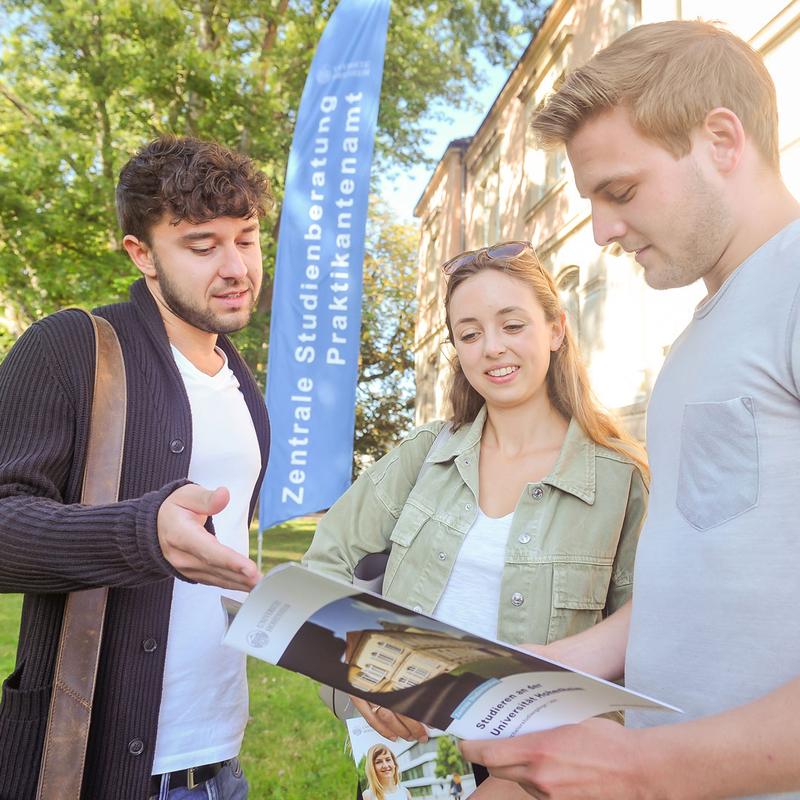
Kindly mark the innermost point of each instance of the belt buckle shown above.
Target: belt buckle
(190, 782)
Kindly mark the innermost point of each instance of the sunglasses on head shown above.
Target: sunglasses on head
(502, 250)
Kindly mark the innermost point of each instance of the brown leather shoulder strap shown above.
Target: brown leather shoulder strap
(70, 714)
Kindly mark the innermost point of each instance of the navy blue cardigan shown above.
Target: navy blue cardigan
(50, 545)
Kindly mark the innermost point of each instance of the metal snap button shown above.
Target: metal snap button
(136, 747)
(442, 556)
(177, 446)
(524, 538)
(418, 609)
(517, 599)
(537, 492)
(149, 645)
(468, 507)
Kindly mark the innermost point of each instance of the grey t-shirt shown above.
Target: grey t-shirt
(716, 601)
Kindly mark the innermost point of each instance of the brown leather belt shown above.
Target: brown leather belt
(191, 777)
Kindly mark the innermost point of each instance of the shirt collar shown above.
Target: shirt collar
(574, 471)
(465, 438)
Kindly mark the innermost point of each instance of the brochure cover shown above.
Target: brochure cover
(425, 770)
(365, 645)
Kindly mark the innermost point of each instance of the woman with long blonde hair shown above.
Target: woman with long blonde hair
(383, 775)
(518, 518)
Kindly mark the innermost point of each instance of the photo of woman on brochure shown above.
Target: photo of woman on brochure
(516, 519)
(426, 769)
(383, 775)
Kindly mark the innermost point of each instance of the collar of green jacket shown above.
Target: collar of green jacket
(574, 472)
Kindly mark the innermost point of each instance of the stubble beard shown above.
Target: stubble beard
(702, 226)
(203, 319)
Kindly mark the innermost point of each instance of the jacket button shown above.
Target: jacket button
(177, 446)
(136, 747)
(442, 556)
(149, 645)
(517, 599)
(524, 538)
(468, 507)
(418, 609)
(537, 493)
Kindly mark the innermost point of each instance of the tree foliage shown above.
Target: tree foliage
(448, 758)
(83, 83)
(385, 389)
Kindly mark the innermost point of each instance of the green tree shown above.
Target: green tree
(85, 82)
(449, 758)
(385, 389)
(361, 769)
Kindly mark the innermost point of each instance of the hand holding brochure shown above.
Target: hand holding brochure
(370, 647)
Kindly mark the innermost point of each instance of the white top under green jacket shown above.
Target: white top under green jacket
(570, 551)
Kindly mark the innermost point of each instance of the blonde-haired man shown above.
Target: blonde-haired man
(672, 135)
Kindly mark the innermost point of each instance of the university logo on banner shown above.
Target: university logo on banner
(316, 304)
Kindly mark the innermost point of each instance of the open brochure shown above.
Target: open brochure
(370, 647)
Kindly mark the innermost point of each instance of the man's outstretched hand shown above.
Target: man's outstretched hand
(191, 549)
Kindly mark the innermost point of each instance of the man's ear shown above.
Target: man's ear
(141, 255)
(725, 136)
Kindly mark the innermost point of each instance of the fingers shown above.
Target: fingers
(495, 789)
(199, 500)
(505, 760)
(496, 755)
(388, 724)
(416, 730)
(192, 550)
(215, 564)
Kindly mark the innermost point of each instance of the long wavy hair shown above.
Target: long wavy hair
(372, 776)
(567, 381)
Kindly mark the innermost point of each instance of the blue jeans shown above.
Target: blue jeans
(228, 784)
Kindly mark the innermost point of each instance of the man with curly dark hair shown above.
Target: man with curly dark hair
(170, 702)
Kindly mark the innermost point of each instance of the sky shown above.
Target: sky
(401, 192)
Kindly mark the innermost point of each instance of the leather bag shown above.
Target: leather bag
(64, 754)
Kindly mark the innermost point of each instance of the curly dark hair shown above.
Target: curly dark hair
(190, 179)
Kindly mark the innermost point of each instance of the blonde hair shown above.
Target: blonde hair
(669, 75)
(567, 381)
(372, 776)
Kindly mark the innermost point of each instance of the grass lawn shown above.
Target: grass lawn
(293, 746)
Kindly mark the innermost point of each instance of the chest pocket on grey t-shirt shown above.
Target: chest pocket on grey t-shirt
(718, 474)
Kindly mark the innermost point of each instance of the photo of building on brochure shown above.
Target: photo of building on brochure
(414, 665)
(428, 770)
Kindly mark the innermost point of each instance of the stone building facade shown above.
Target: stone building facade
(495, 185)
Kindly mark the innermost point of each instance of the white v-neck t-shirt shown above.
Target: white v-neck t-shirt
(471, 598)
(204, 704)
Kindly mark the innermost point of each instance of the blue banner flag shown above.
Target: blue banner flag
(316, 303)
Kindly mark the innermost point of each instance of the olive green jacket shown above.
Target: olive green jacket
(570, 551)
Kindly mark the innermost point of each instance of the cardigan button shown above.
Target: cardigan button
(136, 747)
(177, 446)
